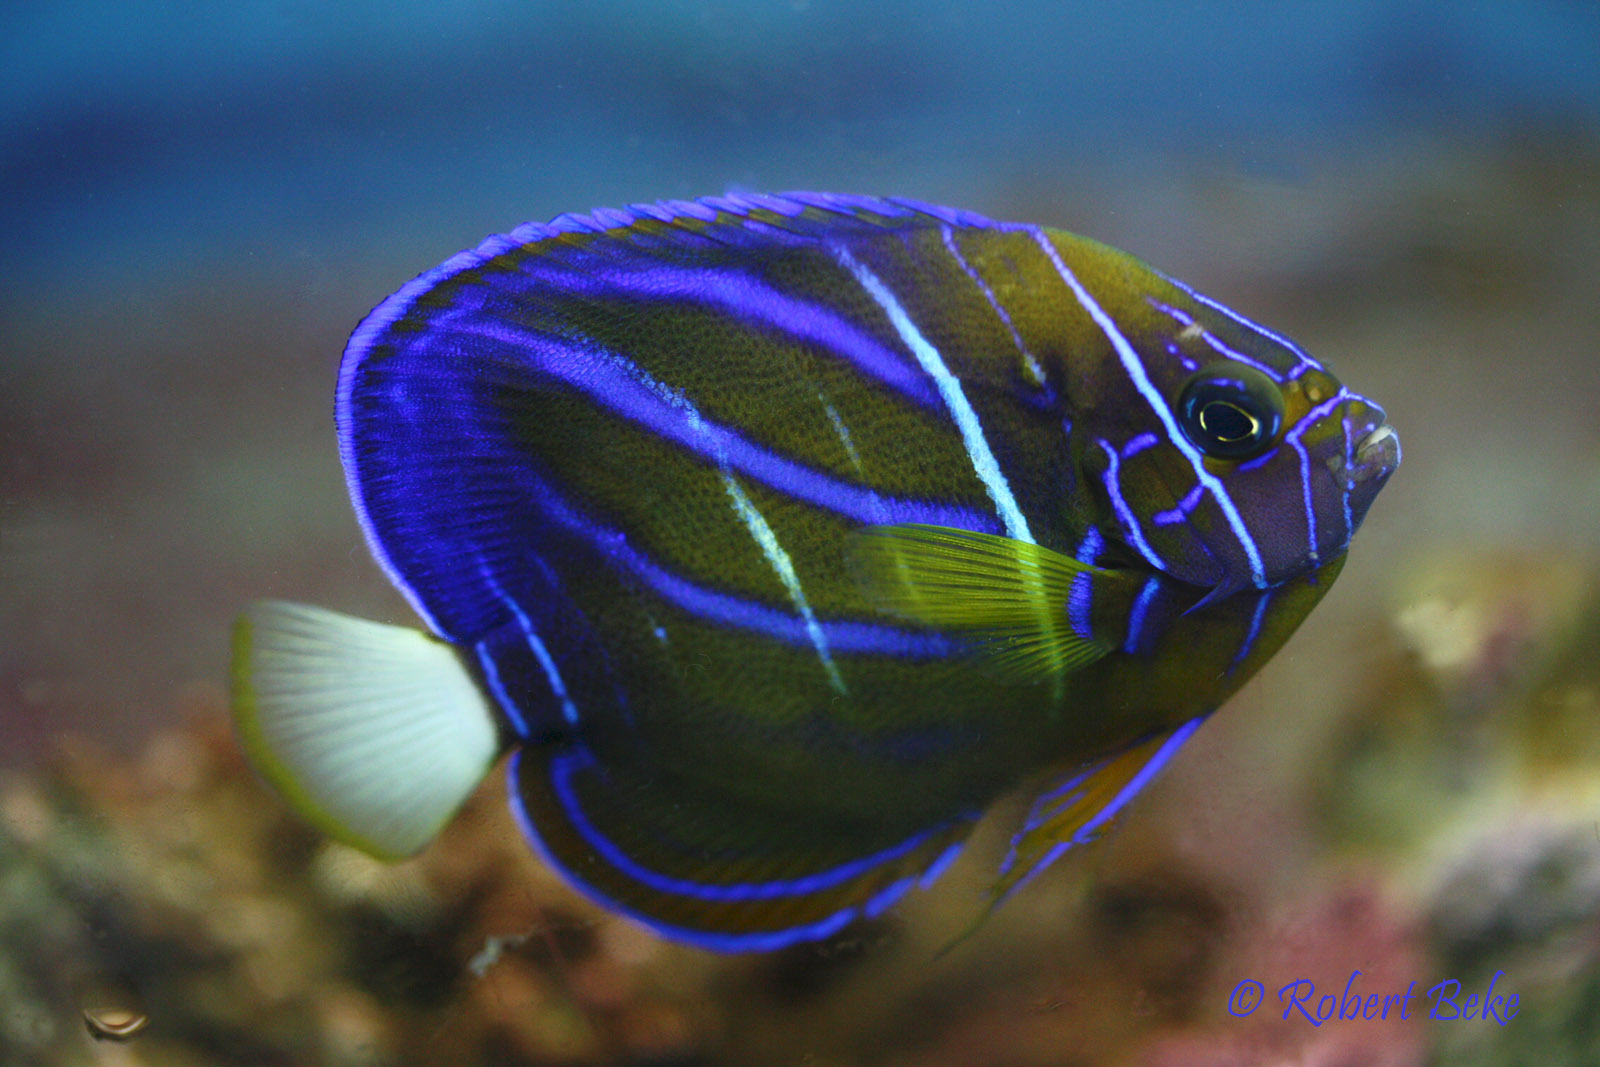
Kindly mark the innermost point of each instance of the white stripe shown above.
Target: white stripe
(881, 512)
(569, 710)
(983, 461)
(1141, 381)
(756, 523)
(1035, 371)
(844, 436)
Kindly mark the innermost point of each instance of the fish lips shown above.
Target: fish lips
(1374, 456)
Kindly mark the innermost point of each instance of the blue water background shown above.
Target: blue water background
(143, 141)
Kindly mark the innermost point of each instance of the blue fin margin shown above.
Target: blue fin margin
(744, 915)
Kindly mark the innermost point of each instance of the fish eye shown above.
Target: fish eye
(1233, 413)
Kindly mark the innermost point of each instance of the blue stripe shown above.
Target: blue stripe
(762, 942)
(561, 770)
(1183, 318)
(1249, 324)
(749, 301)
(1185, 508)
(1139, 444)
(1086, 833)
(1134, 365)
(984, 463)
(491, 676)
(757, 942)
(1345, 483)
(626, 390)
(1136, 617)
(1080, 597)
(368, 334)
(842, 636)
(1125, 514)
(1090, 547)
(1260, 461)
(1035, 371)
(558, 687)
(1293, 437)
(1152, 767)
(1254, 631)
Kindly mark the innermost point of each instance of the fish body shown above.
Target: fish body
(777, 537)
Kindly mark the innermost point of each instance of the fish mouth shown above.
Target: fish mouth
(1371, 449)
(1376, 454)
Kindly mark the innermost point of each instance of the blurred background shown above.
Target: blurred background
(199, 202)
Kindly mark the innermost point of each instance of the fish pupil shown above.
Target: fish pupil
(1233, 412)
(1228, 422)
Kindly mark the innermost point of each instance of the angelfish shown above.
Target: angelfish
(775, 537)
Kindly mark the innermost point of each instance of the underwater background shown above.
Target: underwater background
(199, 203)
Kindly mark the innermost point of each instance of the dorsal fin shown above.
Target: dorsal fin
(735, 217)
(440, 383)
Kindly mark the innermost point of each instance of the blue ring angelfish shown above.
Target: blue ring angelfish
(777, 536)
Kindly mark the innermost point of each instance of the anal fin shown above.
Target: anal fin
(1076, 810)
(719, 873)
(1079, 809)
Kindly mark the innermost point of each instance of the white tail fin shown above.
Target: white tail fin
(373, 733)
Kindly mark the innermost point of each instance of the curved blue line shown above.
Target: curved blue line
(1124, 512)
(1080, 605)
(367, 335)
(560, 776)
(756, 942)
(752, 304)
(1249, 324)
(1254, 631)
(1136, 618)
(1184, 319)
(845, 636)
(1090, 547)
(1086, 833)
(620, 386)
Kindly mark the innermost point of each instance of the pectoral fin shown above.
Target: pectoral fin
(1029, 611)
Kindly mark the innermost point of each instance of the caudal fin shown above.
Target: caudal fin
(373, 733)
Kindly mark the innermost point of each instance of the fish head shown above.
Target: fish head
(1236, 461)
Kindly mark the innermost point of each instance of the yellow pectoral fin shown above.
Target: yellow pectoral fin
(1027, 609)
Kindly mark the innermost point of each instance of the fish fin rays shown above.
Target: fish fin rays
(707, 869)
(1027, 609)
(1075, 809)
(375, 734)
(1081, 807)
(743, 219)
